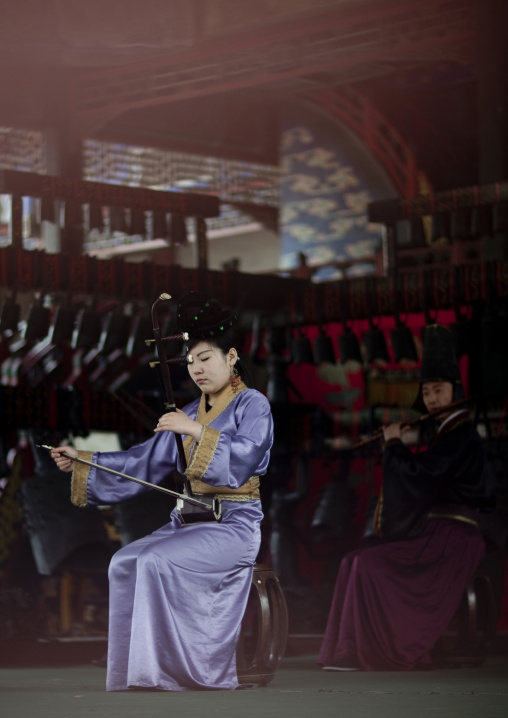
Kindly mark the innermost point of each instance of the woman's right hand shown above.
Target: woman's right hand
(63, 463)
(392, 431)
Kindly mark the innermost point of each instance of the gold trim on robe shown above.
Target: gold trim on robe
(378, 515)
(79, 480)
(455, 517)
(200, 454)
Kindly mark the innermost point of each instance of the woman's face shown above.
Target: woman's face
(211, 368)
(437, 394)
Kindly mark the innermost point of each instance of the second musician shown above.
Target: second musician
(392, 602)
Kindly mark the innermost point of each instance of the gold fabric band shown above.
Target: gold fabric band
(79, 480)
(249, 491)
(200, 453)
(456, 517)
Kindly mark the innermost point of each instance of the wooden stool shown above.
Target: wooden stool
(473, 628)
(264, 629)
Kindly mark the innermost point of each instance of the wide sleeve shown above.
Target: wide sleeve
(231, 456)
(151, 461)
(413, 482)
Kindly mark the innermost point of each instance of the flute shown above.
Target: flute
(430, 415)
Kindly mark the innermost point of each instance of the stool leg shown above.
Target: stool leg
(278, 622)
(487, 615)
(271, 629)
(476, 620)
(264, 629)
(468, 633)
(66, 587)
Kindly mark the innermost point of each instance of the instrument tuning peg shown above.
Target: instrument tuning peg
(174, 360)
(183, 336)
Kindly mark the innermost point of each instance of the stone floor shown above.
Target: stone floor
(298, 690)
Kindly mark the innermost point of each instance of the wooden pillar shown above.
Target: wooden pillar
(64, 159)
(16, 224)
(492, 61)
(389, 251)
(201, 244)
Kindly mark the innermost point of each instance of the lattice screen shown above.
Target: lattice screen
(22, 150)
(232, 181)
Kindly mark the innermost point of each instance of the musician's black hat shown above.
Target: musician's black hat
(439, 362)
(203, 317)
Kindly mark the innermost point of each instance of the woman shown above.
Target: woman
(392, 602)
(177, 596)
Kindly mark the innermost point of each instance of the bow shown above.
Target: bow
(202, 504)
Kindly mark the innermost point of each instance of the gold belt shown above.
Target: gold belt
(456, 517)
(248, 492)
(229, 497)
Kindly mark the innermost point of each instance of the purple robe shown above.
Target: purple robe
(392, 602)
(177, 596)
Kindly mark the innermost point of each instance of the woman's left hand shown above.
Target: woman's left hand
(179, 423)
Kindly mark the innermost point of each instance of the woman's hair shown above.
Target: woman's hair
(206, 320)
(225, 341)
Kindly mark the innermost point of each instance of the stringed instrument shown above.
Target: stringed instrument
(191, 509)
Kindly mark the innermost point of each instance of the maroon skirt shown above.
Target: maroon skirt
(393, 602)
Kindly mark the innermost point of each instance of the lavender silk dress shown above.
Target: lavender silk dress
(177, 596)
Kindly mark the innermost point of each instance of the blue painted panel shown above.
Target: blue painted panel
(328, 178)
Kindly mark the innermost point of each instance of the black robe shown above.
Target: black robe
(452, 473)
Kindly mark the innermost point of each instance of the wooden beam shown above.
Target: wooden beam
(28, 184)
(391, 210)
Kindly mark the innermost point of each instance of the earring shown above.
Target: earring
(234, 378)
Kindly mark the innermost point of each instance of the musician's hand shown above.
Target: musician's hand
(393, 431)
(62, 462)
(178, 422)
